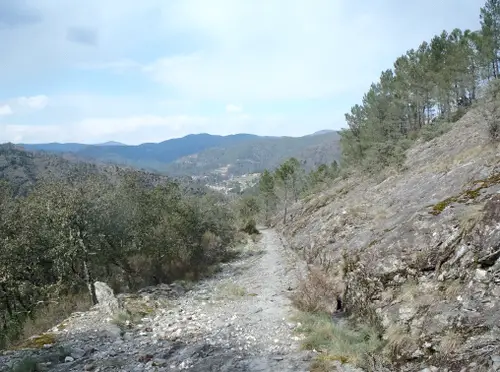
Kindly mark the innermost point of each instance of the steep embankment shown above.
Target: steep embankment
(421, 249)
(237, 321)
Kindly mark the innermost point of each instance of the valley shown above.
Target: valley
(204, 154)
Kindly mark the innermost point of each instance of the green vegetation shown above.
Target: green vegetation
(268, 193)
(62, 233)
(259, 154)
(427, 87)
(337, 342)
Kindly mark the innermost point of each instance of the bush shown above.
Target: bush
(250, 228)
(491, 112)
(433, 130)
(122, 231)
(316, 293)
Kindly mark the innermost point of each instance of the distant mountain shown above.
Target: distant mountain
(204, 153)
(110, 143)
(320, 132)
(257, 155)
(146, 155)
(55, 147)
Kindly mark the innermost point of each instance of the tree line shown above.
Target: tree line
(427, 86)
(277, 189)
(421, 96)
(67, 233)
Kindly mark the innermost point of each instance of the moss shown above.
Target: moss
(467, 195)
(439, 207)
(38, 342)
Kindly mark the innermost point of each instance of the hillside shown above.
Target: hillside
(146, 155)
(198, 154)
(257, 155)
(23, 169)
(418, 250)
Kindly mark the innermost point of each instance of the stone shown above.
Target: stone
(106, 299)
(69, 359)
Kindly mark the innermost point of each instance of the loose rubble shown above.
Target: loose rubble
(239, 320)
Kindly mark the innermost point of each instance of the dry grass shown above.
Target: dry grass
(450, 344)
(337, 342)
(470, 216)
(453, 289)
(317, 292)
(230, 290)
(51, 314)
(399, 342)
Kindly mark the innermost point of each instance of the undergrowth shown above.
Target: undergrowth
(336, 341)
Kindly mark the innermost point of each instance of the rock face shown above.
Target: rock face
(418, 252)
(106, 298)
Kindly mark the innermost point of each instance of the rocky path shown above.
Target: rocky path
(239, 320)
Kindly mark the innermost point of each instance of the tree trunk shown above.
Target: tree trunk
(90, 282)
(286, 205)
(294, 189)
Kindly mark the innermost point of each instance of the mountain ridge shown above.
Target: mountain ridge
(202, 153)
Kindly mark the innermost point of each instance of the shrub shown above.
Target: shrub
(431, 131)
(491, 112)
(316, 293)
(250, 228)
(337, 342)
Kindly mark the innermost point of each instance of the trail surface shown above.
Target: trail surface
(239, 320)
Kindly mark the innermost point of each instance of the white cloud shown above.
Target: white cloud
(130, 130)
(270, 50)
(35, 102)
(191, 56)
(234, 108)
(153, 128)
(118, 67)
(5, 110)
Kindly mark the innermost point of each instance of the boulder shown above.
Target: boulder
(106, 299)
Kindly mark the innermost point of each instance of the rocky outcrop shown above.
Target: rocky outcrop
(106, 298)
(419, 251)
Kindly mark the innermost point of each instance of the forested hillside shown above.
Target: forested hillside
(425, 92)
(63, 226)
(205, 154)
(259, 154)
(427, 86)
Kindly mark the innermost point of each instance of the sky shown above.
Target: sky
(91, 71)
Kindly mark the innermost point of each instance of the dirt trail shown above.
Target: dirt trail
(239, 320)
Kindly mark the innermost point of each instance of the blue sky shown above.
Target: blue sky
(145, 71)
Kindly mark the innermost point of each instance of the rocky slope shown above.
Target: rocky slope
(237, 321)
(419, 251)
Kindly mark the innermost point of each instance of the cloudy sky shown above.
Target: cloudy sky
(137, 71)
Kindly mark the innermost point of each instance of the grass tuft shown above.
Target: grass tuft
(337, 342)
